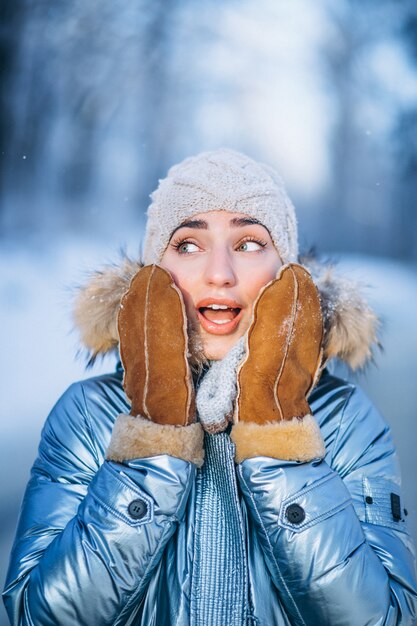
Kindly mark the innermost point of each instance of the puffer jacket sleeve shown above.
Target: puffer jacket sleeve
(333, 531)
(83, 553)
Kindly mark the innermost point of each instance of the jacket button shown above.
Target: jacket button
(137, 509)
(295, 514)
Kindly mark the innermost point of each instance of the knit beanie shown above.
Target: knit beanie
(220, 180)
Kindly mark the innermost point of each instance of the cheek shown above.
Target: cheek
(178, 273)
(256, 280)
(184, 281)
(188, 301)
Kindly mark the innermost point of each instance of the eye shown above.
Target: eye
(185, 247)
(251, 245)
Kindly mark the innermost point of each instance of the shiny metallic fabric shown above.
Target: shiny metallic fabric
(323, 541)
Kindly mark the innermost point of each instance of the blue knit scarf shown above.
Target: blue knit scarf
(219, 592)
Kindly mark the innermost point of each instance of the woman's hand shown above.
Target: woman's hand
(272, 415)
(152, 328)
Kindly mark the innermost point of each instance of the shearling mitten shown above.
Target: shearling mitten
(217, 392)
(284, 354)
(152, 326)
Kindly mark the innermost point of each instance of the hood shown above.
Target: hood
(350, 325)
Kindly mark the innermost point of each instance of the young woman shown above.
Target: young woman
(221, 475)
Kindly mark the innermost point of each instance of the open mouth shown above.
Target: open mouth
(219, 314)
(219, 318)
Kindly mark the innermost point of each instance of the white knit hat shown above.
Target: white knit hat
(220, 180)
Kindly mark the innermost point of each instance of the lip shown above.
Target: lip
(212, 327)
(230, 303)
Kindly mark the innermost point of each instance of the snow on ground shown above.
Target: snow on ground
(39, 355)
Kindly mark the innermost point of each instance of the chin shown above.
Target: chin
(217, 348)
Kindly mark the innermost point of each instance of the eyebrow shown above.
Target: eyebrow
(203, 225)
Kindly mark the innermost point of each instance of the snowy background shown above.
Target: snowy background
(99, 99)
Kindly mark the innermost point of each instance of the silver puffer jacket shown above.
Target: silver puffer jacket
(104, 543)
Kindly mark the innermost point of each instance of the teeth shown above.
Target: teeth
(217, 306)
(220, 321)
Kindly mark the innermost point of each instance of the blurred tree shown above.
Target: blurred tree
(404, 236)
(357, 207)
(89, 111)
(158, 95)
(405, 150)
(10, 25)
(368, 206)
(408, 26)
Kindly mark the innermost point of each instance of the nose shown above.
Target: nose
(219, 270)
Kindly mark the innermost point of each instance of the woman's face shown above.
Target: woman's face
(220, 261)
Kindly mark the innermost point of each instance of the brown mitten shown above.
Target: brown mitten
(284, 353)
(152, 326)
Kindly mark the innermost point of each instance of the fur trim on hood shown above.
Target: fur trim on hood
(350, 326)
